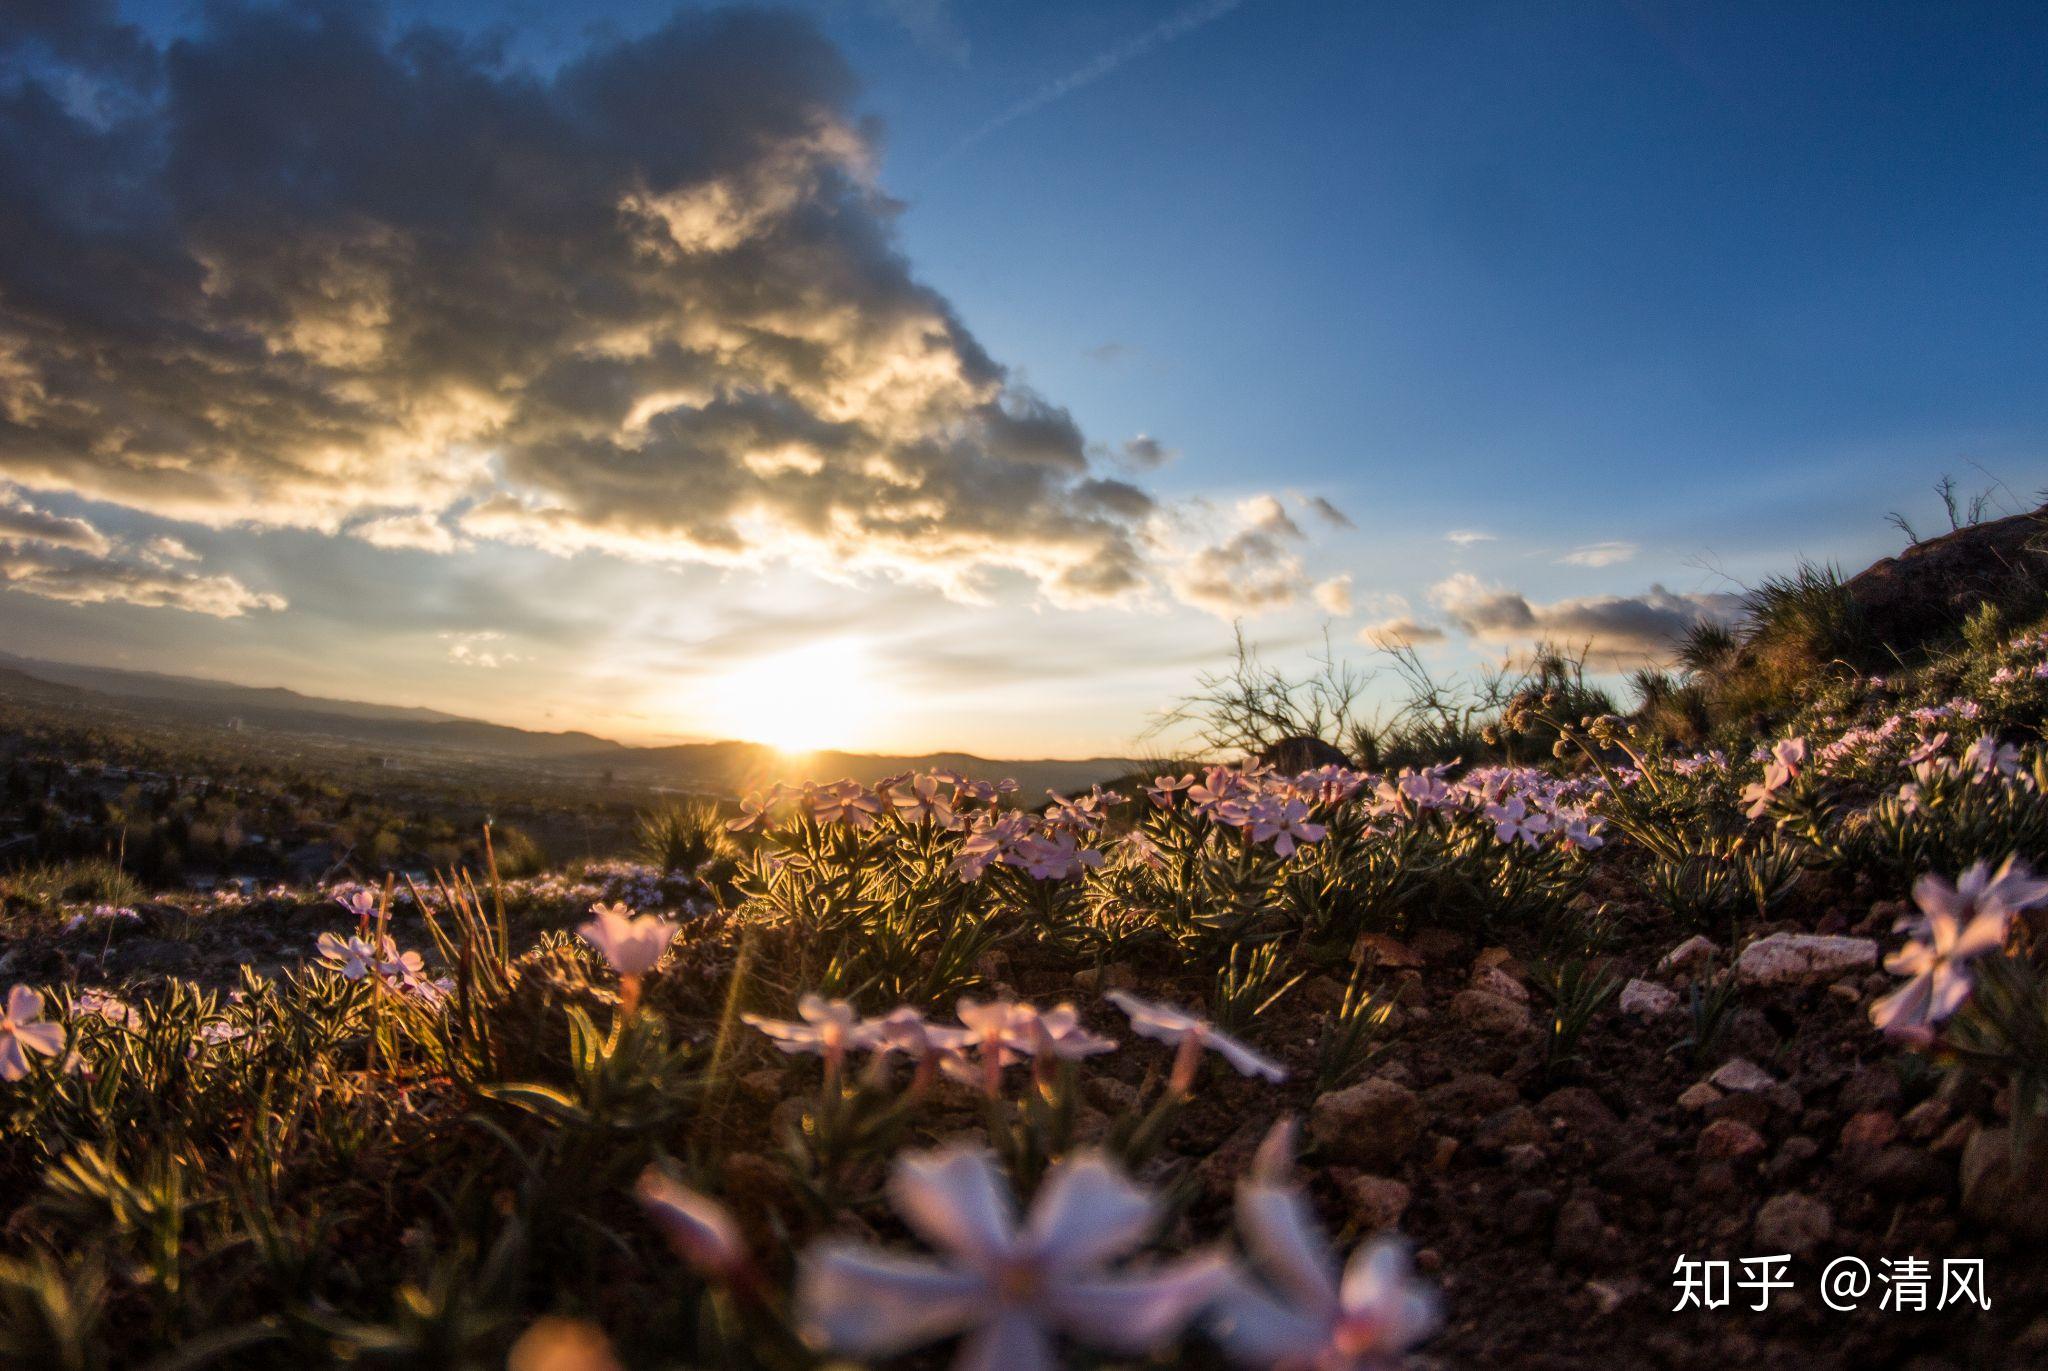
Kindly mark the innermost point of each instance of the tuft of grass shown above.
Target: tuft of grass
(683, 837)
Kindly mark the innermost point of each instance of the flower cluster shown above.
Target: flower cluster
(1957, 925)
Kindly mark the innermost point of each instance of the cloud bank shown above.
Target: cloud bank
(295, 271)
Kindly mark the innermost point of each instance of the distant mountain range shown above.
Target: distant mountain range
(720, 767)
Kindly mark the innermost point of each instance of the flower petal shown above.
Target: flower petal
(1137, 1313)
(1280, 1232)
(1087, 1212)
(863, 1302)
(954, 1200)
(13, 1063)
(1008, 1342)
(46, 1038)
(24, 1003)
(1260, 1331)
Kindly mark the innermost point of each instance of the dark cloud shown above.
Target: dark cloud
(295, 271)
(1146, 452)
(1330, 514)
(1619, 629)
(60, 557)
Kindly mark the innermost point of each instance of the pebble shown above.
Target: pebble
(1698, 1096)
(1698, 948)
(1799, 1224)
(1371, 1124)
(1801, 958)
(1741, 1074)
(1377, 1202)
(1648, 999)
(1729, 1140)
(1872, 1129)
(1484, 1012)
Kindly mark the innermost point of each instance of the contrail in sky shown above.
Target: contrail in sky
(1178, 25)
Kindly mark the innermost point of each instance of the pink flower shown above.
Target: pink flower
(1283, 822)
(632, 943)
(924, 802)
(23, 1026)
(1164, 788)
(1178, 1028)
(1513, 821)
(696, 1226)
(1011, 1029)
(1304, 1316)
(753, 811)
(1959, 923)
(829, 1028)
(1010, 1290)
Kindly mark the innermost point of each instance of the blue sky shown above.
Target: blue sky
(1641, 300)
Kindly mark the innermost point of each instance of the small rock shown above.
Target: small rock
(1609, 1296)
(1372, 1124)
(1581, 1111)
(1748, 1033)
(1527, 1211)
(1648, 999)
(1698, 1096)
(1495, 981)
(1798, 1224)
(1471, 1096)
(1873, 1087)
(1484, 1012)
(1514, 1126)
(1377, 1202)
(1994, 1194)
(1743, 1075)
(1729, 1140)
(1581, 1234)
(1925, 1120)
(1440, 945)
(1377, 949)
(1698, 948)
(1846, 992)
(1802, 958)
(1870, 1130)
(1904, 1172)
(1523, 1158)
(1492, 956)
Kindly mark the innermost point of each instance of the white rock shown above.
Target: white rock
(1697, 948)
(1797, 958)
(1742, 1074)
(1648, 999)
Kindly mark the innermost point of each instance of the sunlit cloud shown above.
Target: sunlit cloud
(69, 559)
(1600, 554)
(650, 307)
(1617, 630)
(1334, 595)
(1465, 537)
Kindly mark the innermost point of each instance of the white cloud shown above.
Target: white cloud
(1465, 537)
(60, 557)
(1334, 595)
(1600, 554)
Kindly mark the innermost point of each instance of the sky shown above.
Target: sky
(905, 374)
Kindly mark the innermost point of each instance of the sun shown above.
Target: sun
(822, 695)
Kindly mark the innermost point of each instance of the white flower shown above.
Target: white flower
(829, 1028)
(632, 943)
(351, 956)
(1958, 924)
(1010, 1290)
(1305, 1316)
(1163, 1023)
(23, 1026)
(1011, 1029)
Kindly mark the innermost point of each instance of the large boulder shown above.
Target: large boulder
(1292, 756)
